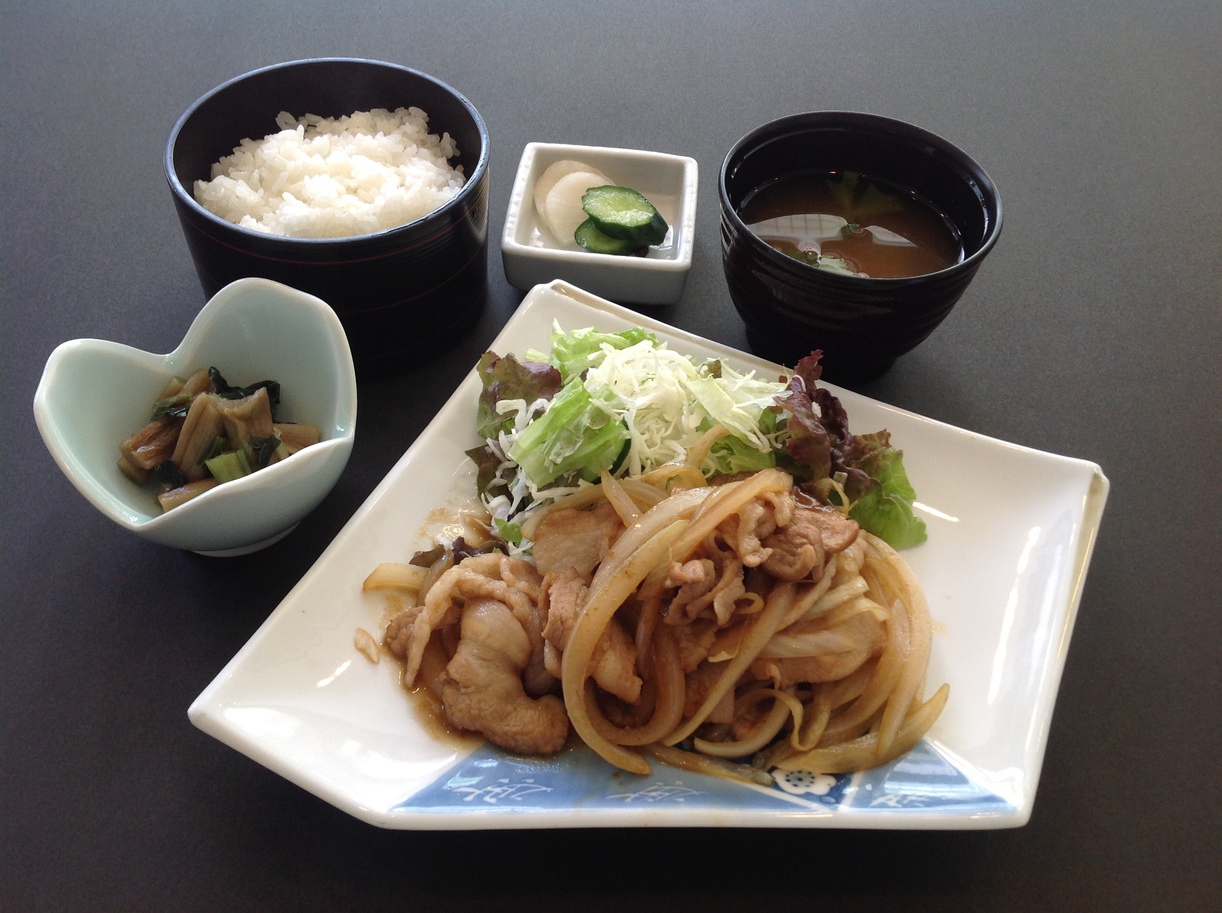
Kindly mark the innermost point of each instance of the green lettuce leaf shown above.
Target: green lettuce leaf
(885, 506)
(573, 435)
(733, 455)
(820, 446)
(505, 378)
(574, 352)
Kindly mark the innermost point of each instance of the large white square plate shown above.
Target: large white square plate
(1010, 536)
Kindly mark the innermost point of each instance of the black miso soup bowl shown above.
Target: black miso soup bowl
(401, 293)
(861, 324)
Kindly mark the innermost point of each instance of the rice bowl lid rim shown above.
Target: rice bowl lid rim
(181, 193)
(899, 128)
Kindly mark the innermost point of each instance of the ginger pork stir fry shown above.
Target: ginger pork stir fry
(739, 621)
(680, 561)
(487, 663)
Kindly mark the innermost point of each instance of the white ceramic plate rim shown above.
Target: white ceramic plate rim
(1011, 534)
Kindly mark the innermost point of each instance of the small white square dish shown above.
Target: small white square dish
(1011, 532)
(533, 255)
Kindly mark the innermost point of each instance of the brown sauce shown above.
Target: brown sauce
(850, 223)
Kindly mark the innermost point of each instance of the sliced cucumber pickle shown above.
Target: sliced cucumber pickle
(625, 214)
(592, 239)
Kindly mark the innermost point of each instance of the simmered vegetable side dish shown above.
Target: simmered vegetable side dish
(203, 431)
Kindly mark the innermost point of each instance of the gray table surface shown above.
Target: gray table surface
(1092, 331)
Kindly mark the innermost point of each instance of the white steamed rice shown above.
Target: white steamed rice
(335, 177)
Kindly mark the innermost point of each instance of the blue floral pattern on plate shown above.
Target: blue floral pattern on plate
(578, 780)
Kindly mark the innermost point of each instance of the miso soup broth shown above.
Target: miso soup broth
(849, 223)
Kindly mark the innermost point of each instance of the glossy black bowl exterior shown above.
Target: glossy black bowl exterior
(400, 293)
(861, 324)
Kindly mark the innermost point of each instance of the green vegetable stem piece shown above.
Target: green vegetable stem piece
(229, 466)
(624, 213)
(172, 405)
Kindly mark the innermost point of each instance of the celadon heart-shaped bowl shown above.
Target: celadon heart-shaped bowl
(94, 393)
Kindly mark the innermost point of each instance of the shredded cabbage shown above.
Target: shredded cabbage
(666, 401)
